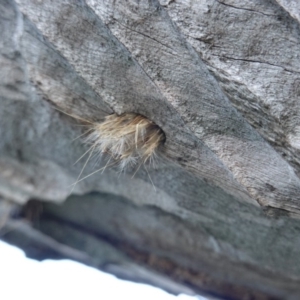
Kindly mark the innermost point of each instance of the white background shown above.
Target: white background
(22, 279)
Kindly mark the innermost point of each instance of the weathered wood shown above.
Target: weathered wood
(221, 78)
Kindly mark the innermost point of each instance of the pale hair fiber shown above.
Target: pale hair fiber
(130, 139)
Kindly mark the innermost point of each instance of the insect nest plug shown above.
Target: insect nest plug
(129, 138)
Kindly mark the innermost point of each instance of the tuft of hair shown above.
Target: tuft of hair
(130, 139)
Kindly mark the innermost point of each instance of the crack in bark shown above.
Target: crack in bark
(257, 61)
(246, 9)
(147, 36)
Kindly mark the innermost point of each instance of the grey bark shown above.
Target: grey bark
(219, 212)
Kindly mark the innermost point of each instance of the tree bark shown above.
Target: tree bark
(218, 213)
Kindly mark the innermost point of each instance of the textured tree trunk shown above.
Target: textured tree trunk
(218, 213)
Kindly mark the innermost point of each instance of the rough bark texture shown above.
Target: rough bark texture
(220, 77)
